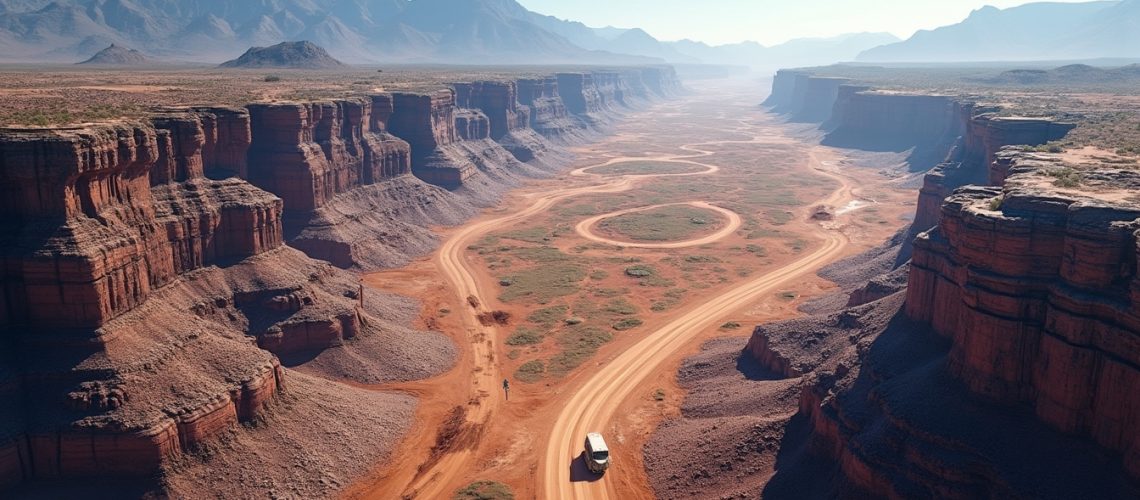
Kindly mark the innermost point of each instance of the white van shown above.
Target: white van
(597, 453)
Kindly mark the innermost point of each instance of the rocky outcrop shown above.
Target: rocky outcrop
(1006, 367)
(953, 140)
(150, 272)
(804, 97)
(548, 114)
(132, 284)
(925, 125)
(1031, 283)
(308, 153)
(974, 159)
(509, 121)
(1012, 362)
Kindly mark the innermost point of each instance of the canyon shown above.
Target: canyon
(167, 279)
(989, 350)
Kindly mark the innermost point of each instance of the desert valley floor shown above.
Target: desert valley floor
(738, 211)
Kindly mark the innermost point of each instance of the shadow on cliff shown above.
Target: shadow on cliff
(903, 418)
(90, 489)
(753, 370)
(922, 151)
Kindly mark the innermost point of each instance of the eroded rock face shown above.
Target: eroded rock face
(145, 281)
(132, 286)
(307, 153)
(1034, 286)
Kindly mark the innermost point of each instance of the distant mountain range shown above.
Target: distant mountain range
(362, 31)
(1043, 31)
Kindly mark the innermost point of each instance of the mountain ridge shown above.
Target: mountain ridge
(1029, 32)
(354, 31)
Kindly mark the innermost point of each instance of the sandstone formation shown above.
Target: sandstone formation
(1032, 284)
(1011, 369)
(94, 239)
(954, 141)
(1002, 362)
(154, 271)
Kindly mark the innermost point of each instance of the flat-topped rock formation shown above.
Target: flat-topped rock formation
(153, 271)
(291, 55)
(1001, 360)
(140, 290)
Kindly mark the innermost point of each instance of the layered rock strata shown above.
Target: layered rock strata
(1034, 286)
(954, 141)
(147, 295)
(1012, 366)
(147, 285)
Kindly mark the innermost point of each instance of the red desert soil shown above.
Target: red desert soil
(531, 441)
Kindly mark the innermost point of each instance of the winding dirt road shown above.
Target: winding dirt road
(593, 405)
(433, 481)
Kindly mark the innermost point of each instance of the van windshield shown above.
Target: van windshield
(600, 456)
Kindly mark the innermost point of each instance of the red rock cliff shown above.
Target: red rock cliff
(307, 153)
(1035, 287)
(133, 286)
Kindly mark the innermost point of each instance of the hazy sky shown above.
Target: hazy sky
(765, 21)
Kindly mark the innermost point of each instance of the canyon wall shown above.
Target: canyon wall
(1035, 287)
(102, 219)
(954, 141)
(1009, 365)
(152, 271)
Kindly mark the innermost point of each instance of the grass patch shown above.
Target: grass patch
(1065, 177)
(531, 371)
(533, 235)
(485, 490)
(757, 250)
(578, 345)
(548, 315)
(671, 223)
(646, 167)
(620, 306)
(545, 284)
(525, 335)
(599, 275)
(699, 259)
(648, 276)
(627, 324)
(659, 395)
(540, 255)
(731, 325)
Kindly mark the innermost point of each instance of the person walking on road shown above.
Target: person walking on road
(507, 389)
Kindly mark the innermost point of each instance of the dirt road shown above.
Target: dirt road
(435, 480)
(591, 404)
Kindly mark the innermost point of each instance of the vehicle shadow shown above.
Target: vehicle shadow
(579, 472)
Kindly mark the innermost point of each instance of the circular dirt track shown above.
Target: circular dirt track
(585, 228)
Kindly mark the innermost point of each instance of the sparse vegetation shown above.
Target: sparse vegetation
(578, 344)
(525, 335)
(627, 324)
(731, 325)
(1065, 177)
(646, 167)
(485, 490)
(531, 371)
(271, 78)
(669, 223)
(548, 315)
